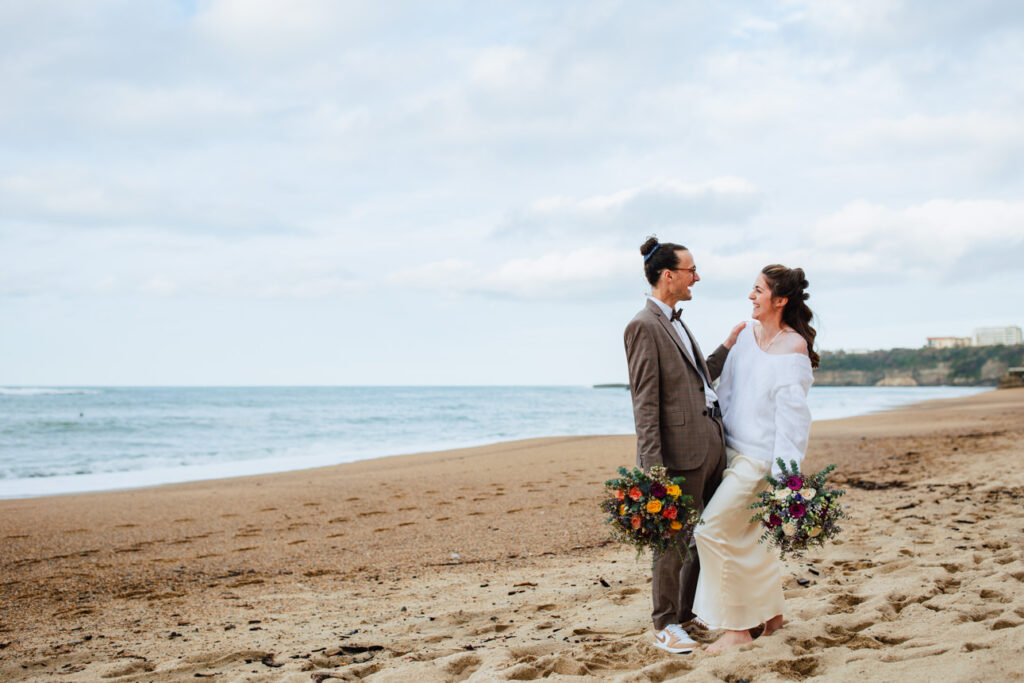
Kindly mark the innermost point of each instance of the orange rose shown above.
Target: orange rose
(620, 495)
(676, 526)
(635, 493)
(636, 521)
(654, 506)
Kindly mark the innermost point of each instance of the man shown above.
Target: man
(678, 421)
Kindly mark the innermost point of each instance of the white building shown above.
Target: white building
(990, 336)
(948, 342)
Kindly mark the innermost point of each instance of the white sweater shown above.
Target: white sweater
(764, 401)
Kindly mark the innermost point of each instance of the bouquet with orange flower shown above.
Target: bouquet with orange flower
(649, 511)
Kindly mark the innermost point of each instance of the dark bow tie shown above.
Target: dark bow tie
(676, 315)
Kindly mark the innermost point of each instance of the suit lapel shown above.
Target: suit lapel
(673, 335)
(697, 352)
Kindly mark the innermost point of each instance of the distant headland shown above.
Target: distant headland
(928, 366)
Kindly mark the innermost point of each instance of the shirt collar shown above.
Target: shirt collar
(662, 305)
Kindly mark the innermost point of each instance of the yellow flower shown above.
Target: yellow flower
(814, 531)
(654, 506)
(673, 490)
(676, 526)
(622, 509)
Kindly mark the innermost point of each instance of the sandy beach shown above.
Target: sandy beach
(493, 563)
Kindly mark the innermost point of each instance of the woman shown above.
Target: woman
(763, 394)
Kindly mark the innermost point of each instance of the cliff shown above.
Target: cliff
(969, 366)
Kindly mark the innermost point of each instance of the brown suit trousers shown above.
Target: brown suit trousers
(675, 429)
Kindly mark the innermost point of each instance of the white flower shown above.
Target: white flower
(808, 494)
(788, 529)
(814, 531)
(782, 495)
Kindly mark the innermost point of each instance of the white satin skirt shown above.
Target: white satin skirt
(740, 581)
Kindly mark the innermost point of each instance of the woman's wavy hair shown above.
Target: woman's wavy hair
(658, 256)
(792, 283)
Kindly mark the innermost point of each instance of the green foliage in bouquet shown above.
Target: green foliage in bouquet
(798, 511)
(649, 511)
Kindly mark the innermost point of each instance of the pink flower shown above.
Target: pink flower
(797, 510)
(795, 483)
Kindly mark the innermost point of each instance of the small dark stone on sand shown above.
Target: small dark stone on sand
(269, 661)
(803, 582)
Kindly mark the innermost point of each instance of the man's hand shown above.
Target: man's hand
(733, 335)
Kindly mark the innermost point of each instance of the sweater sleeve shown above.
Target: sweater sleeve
(792, 425)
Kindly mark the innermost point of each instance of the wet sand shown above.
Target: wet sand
(492, 563)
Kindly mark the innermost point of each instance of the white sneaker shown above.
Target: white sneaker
(673, 638)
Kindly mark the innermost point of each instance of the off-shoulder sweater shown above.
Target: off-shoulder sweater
(764, 401)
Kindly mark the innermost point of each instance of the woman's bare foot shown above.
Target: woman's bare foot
(772, 625)
(730, 639)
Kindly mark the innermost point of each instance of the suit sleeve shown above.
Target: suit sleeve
(716, 361)
(644, 373)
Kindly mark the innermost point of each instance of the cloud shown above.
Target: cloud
(934, 239)
(654, 205)
(571, 274)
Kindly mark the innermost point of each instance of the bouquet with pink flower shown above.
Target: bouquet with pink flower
(649, 511)
(798, 511)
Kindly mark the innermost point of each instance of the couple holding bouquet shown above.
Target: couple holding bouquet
(723, 441)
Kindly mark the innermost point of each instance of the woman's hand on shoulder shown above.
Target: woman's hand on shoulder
(734, 335)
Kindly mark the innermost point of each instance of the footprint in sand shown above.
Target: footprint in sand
(846, 602)
(371, 513)
(267, 509)
(407, 508)
(246, 549)
(335, 535)
(126, 526)
(352, 499)
(406, 523)
(311, 505)
(337, 520)
(228, 515)
(129, 669)
(16, 536)
(296, 542)
(800, 667)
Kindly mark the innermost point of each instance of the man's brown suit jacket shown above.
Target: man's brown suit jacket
(673, 427)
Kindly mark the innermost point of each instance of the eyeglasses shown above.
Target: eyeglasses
(692, 270)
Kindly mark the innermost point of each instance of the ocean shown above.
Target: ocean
(68, 440)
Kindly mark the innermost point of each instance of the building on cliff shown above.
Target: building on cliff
(948, 342)
(990, 336)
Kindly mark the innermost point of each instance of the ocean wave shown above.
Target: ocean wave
(32, 391)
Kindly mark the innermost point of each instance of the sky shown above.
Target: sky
(311, 192)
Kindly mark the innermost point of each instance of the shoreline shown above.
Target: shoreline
(42, 487)
(337, 572)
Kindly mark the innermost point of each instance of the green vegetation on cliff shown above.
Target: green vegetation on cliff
(964, 366)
